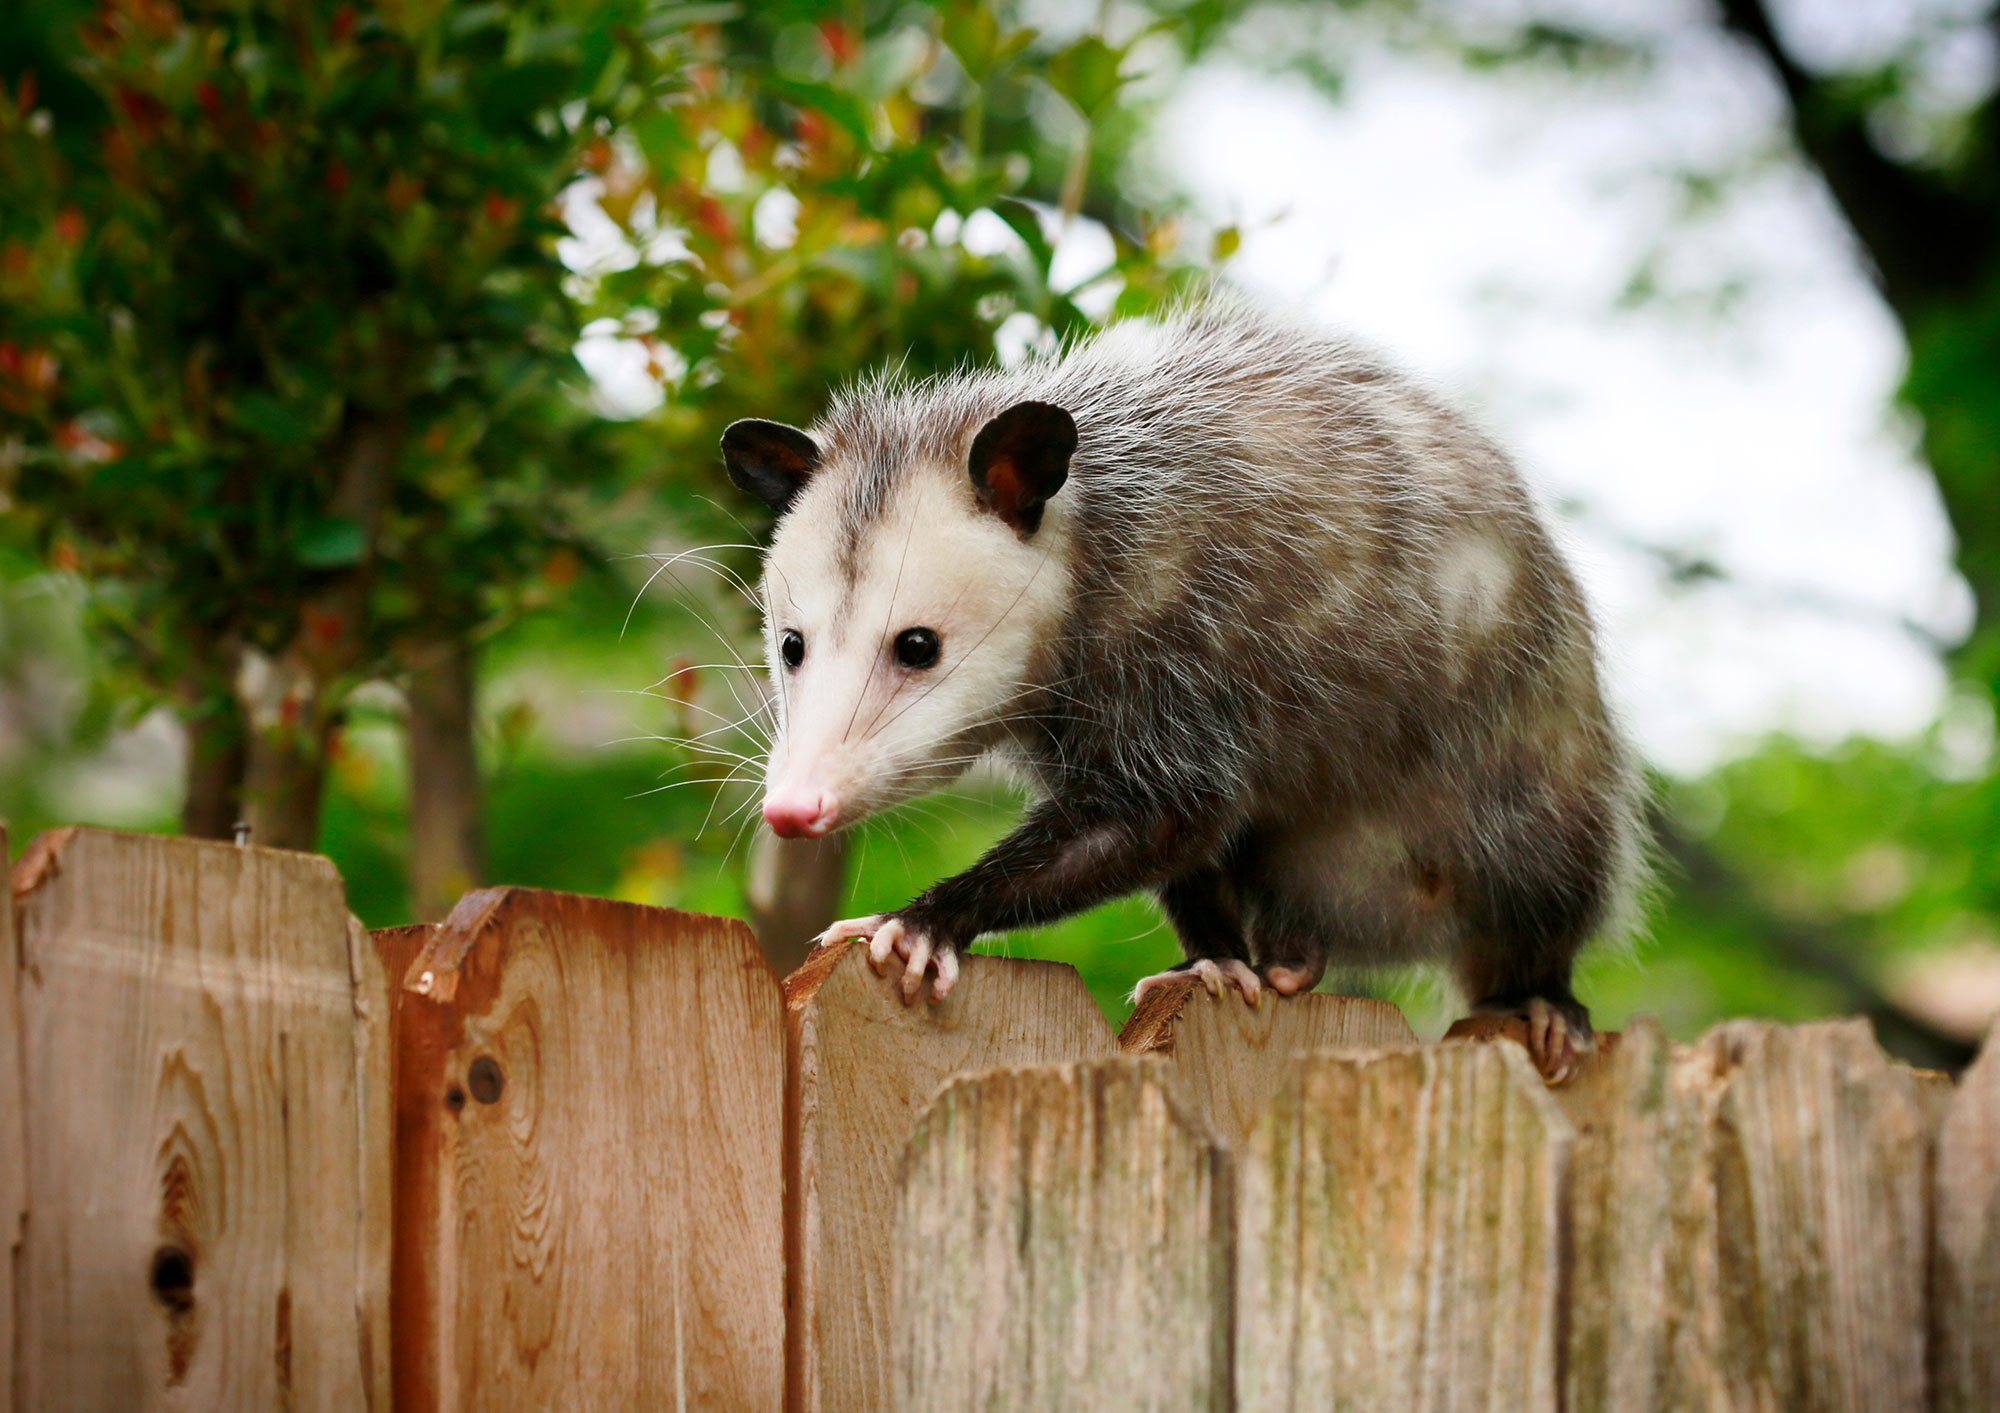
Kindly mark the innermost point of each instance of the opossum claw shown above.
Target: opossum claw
(947, 973)
(1554, 1043)
(919, 962)
(886, 943)
(1212, 974)
(851, 927)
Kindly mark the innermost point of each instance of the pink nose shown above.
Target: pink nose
(806, 815)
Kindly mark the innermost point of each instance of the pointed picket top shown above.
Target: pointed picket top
(1233, 1056)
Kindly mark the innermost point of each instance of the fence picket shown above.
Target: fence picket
(1233, 1057)
(862, 1066)
(1818, 1153)
(1965, 1268)
(589, 1127)
(13, 1139)
(1062, 1242)
(200, 1231)
(1399, 1234)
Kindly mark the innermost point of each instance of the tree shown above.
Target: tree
(284, 349)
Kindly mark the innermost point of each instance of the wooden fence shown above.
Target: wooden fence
(560, 1152)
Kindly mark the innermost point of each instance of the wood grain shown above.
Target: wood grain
(1819, 1159)
(1233, 1056)
(1399, 1235)
(1643, 1305)
(1062, 1242)
(198, 1233)
(412, 1183)
(13, 1138)
(589, 1130)
(862, 1066)
(1965, 1268)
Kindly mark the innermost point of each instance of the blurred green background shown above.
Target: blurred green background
(361, 368)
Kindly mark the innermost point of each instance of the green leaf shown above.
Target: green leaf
(332, 542)
(1086, 73)
(269, 418)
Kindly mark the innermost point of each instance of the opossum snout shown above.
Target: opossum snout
(800, 814)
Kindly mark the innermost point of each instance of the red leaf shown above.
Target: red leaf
(343, 24)
(69, 225)
(714, 219)
(839, 41)
(336, 176)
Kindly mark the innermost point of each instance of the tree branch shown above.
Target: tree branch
(1927, 241)
(1818, 949)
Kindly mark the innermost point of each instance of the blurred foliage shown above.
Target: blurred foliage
(286, 220)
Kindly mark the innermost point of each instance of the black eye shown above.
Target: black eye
(916, 647)
(792, 647)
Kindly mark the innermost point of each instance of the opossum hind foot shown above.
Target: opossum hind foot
(1559, 1033)
(1212, 973)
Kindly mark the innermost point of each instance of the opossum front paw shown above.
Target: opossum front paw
(890, 938)
(1211, 973)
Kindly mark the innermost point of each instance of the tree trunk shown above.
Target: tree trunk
(294, 699)
(447, 856)
(218, 752)
(291, 722)
(794, 893)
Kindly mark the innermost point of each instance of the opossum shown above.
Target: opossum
(1261, 624)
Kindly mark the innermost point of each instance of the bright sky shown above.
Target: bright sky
(1480, 231)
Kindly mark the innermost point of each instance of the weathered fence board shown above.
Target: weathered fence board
(862, 1065)
(1233, 1056)
(199, 1234)
(13, 1138)
(1399, 1234)
(589, 1130)
(1819, 1158)
(1965, 1266)
(1063, 1241)
(1641, 1300)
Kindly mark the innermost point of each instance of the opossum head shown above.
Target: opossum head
(906, 605)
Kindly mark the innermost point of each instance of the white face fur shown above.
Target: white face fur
(864, 724)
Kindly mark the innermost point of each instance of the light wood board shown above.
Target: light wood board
(1819, 1159)
(13, 1137)
(862, 1066)
(1063, 1242)
(1233, 1056)
(1965, 1282)
(1643, 1306)
(1399, 1235)
(198, 1234)
(589, 1207)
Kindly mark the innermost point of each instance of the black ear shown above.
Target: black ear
(1020, 459)
(769, 460)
